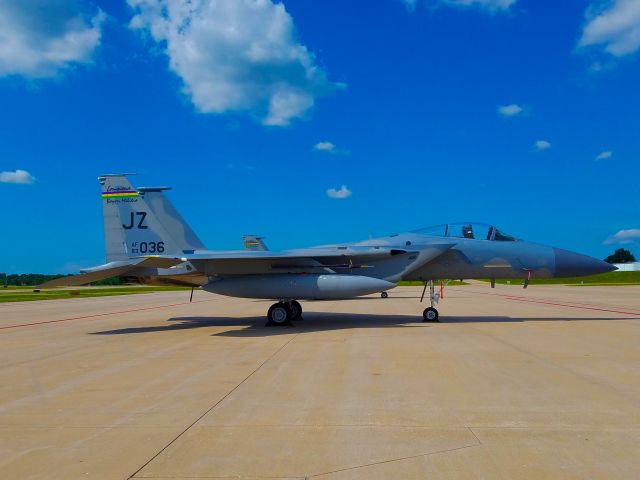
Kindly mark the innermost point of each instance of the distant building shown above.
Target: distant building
(628, 267)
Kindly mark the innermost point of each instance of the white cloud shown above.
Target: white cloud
(488, 5)
(624, 237)
(343, 193)
(330, 147)
(39, 38)
(604, 155)
(491, 5)
(616, 27)
(542, 145)
(19, 176)
(510, 110)
(325, 147)
(236, 56)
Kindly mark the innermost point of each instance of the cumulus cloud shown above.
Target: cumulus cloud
(343, 193)
(616, 27)
(236, 56)
(330, 147)
(510, 110)
(325, 147)
(623, 237)
(604, 155)
(488, 5)
(542, 145)
(491, 5)
(41, 38)
(21, 177)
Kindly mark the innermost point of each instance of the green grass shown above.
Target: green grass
(611, 278)
(86, 292)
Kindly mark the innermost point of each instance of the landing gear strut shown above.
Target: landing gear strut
(283, 313)
(430, 314)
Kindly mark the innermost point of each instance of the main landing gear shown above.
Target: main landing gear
(283, 313)
(430, 314)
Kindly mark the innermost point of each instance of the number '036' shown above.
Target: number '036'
(151, 247)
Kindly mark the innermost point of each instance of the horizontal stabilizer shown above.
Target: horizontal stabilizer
(112, 269)
(159, 262)
(85, 278)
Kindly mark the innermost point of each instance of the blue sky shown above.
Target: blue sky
(519, 113)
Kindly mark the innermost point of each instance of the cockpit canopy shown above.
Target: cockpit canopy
(470, 230)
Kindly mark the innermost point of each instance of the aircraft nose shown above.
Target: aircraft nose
(570, 264)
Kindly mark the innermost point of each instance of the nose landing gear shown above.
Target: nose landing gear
(430, 314)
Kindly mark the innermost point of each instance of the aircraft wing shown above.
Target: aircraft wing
(333, 258)
(112, 269)
(246, 262)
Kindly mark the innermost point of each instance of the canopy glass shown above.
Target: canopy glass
(470, 230)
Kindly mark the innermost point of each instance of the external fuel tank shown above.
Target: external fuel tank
(304, 286)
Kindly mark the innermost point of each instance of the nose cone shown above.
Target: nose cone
(570, 264)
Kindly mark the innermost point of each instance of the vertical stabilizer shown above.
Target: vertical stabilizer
(114, 189)
(170, 218)
(141, 222)
(253, 242)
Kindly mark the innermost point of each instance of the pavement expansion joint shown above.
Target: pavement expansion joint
(437, 452)
(212, 407)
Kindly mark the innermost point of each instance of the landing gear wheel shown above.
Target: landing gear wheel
(279, 314)
(295, 310)
(430, 315)
(384, 295)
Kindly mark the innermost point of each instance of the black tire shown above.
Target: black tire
(279, 314)
(295, 310)
(430, 315)
(384, 295)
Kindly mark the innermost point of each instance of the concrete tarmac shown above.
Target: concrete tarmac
(542, 383)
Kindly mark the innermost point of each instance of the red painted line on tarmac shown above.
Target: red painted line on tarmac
(101, 314)
(581, 307)
(600, 308)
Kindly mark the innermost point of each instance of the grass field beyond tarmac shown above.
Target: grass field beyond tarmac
(25, 294)
(611, 278)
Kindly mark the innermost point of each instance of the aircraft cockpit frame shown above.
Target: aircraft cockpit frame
(468, 230)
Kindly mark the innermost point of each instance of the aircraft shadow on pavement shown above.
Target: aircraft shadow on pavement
(318, 321)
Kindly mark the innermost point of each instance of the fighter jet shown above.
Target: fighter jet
(147, 240)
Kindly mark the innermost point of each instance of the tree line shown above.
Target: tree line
(621, 255)
(33, 279)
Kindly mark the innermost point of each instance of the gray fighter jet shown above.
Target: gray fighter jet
(147, 240)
